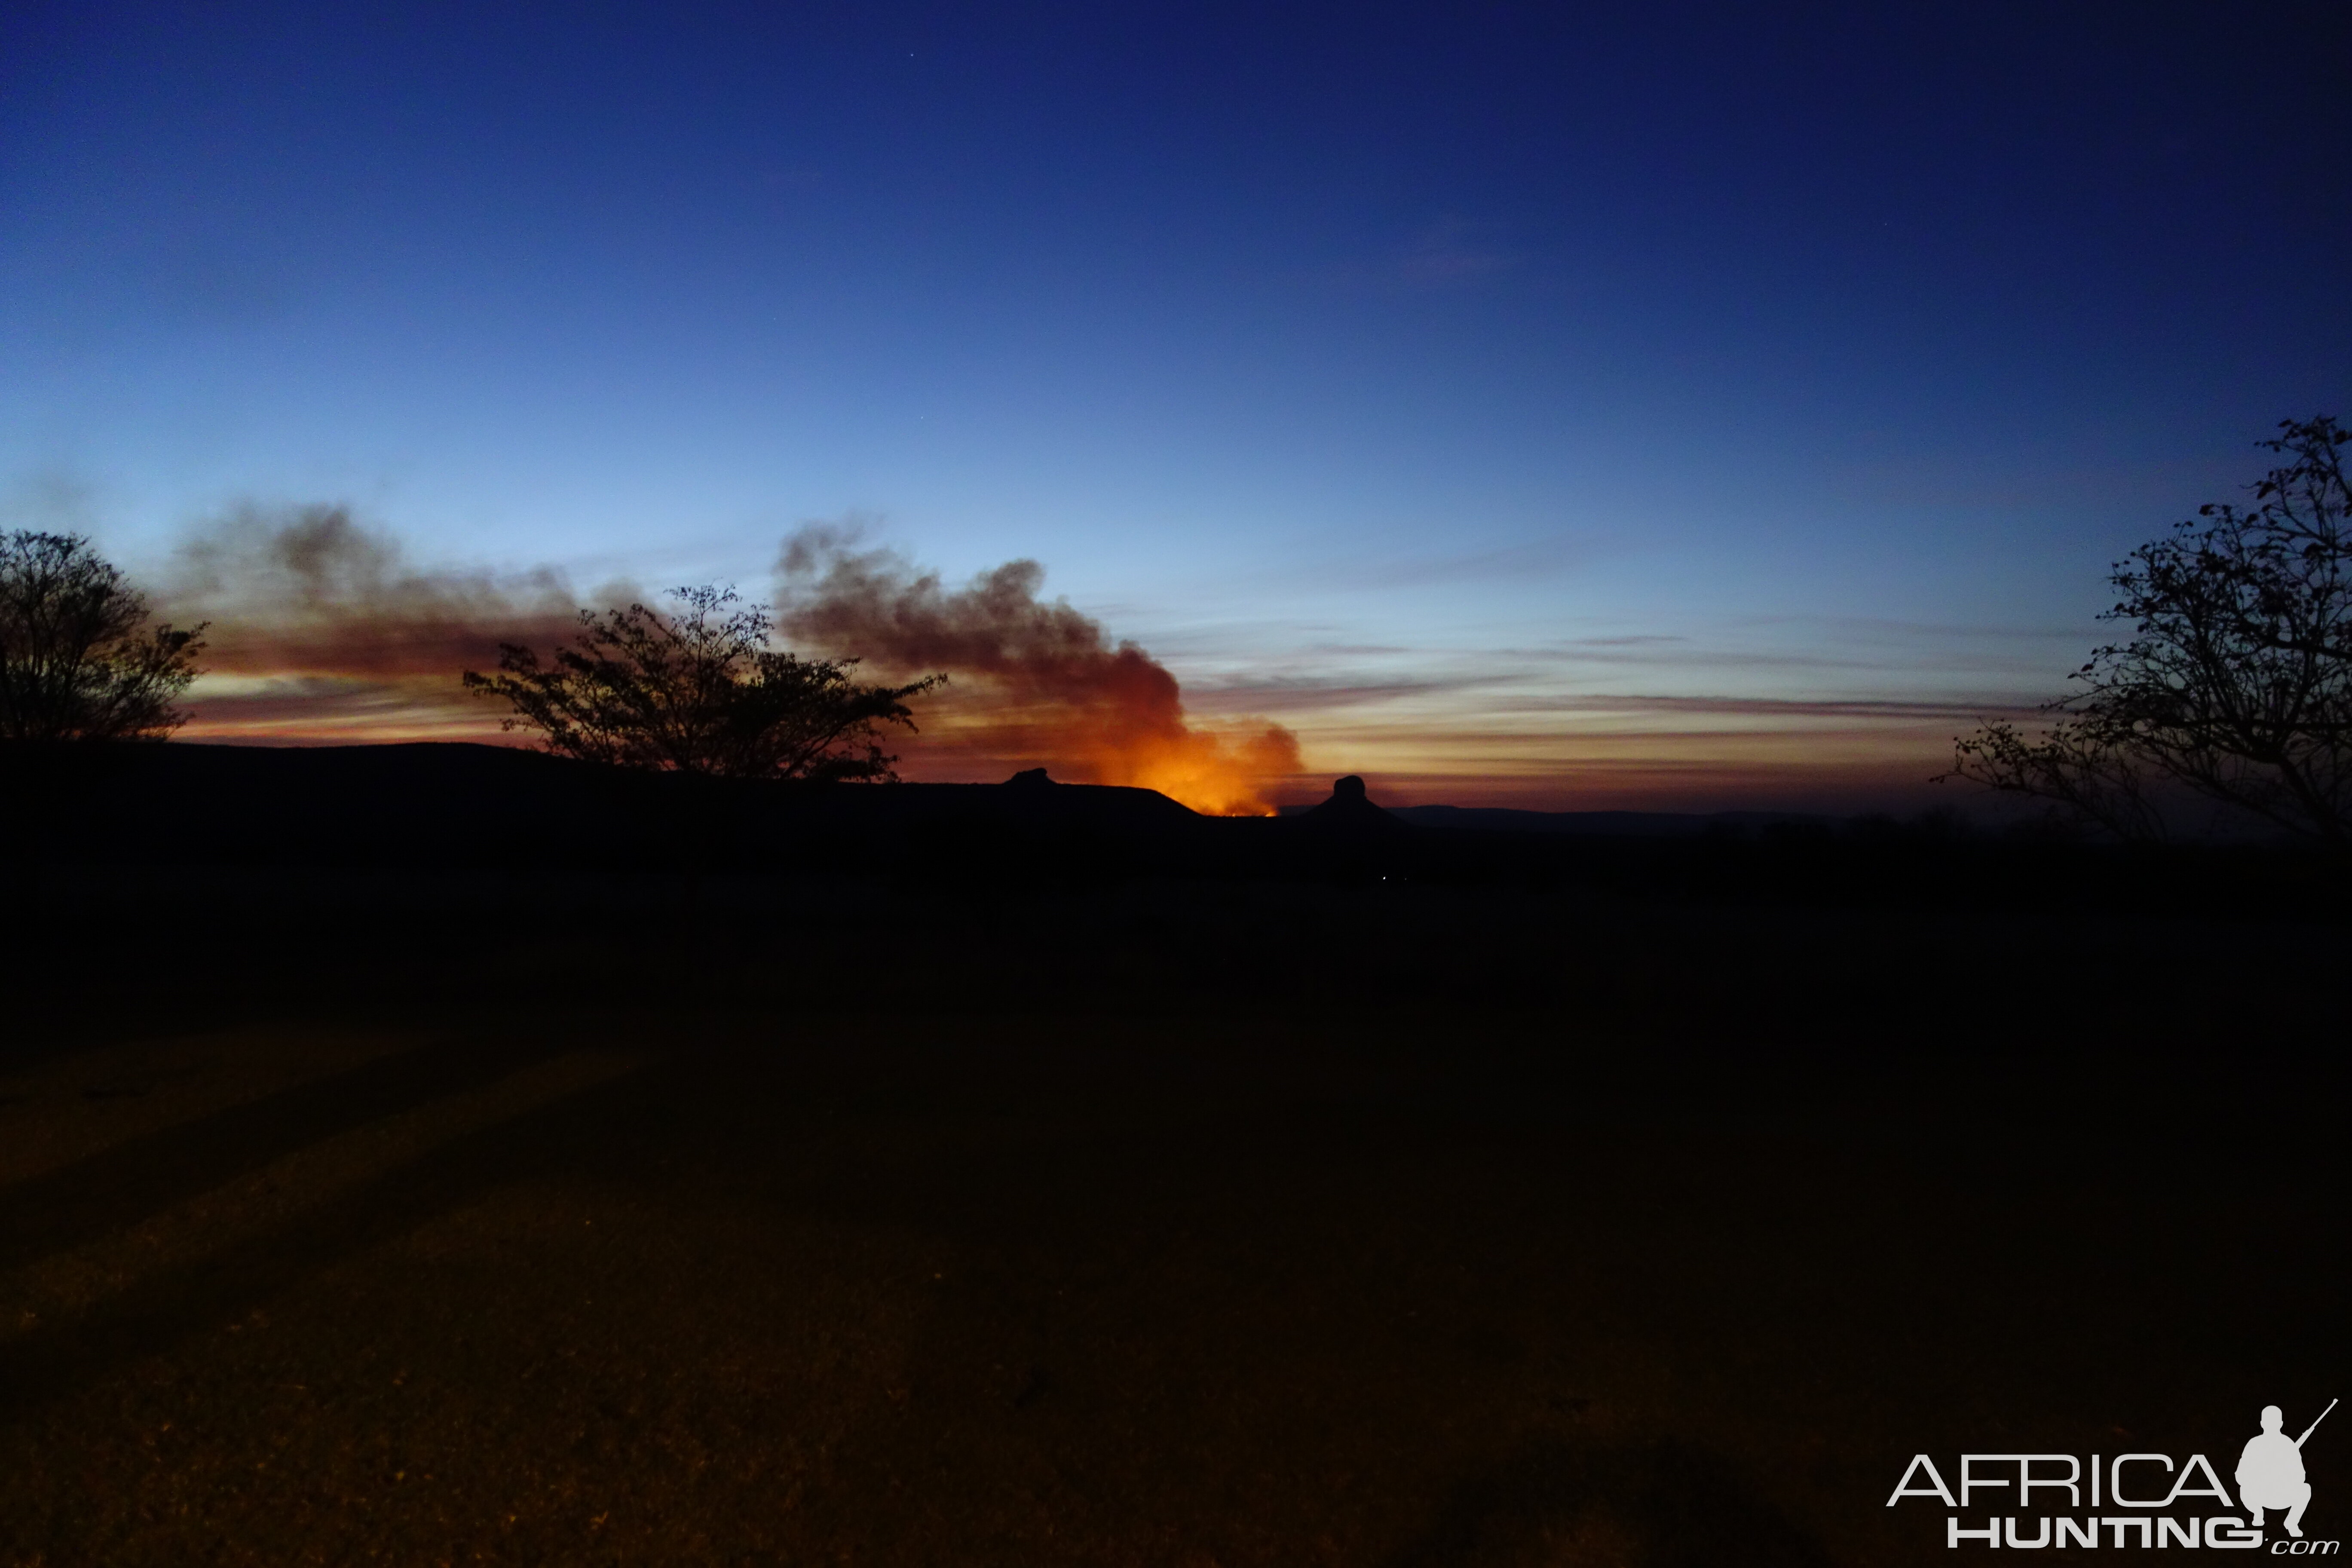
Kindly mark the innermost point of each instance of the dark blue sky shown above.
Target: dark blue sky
(1516, 393)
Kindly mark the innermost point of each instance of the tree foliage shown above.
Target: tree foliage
(700, 690)
(78, 660)
(2236, 681)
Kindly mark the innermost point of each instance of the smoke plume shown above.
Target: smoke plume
(1034, 683)
(323, 629)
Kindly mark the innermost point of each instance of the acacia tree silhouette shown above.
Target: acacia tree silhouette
(2236, 682)
(700, 691)
(77, 660)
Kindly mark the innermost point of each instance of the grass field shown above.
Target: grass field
(1231, 1226)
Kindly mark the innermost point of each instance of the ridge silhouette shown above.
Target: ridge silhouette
(426, 810)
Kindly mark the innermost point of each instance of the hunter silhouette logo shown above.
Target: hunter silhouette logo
(2269, 1477)
(2270, 1472)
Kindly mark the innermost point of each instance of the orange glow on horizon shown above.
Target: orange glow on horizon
(1204, 772)
(976, 730)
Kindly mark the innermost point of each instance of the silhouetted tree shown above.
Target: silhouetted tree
(2236, 682)
(700, 691)
(78, 660)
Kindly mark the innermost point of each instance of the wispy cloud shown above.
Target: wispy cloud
(1452, 252)
(1868, 710)
(1543, 557)
(1643, 641)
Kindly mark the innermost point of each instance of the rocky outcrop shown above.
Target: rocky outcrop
(1350, 810)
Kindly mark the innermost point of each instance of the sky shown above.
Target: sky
(1681, 407)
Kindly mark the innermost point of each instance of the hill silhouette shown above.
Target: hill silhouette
(448, 807)
(462, 805)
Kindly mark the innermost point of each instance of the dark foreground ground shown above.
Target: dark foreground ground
(360, 1217)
